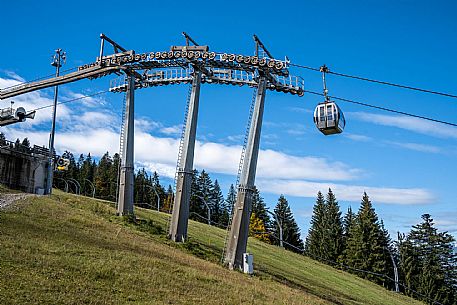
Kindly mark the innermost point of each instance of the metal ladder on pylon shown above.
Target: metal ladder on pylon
(181, 144)
(121, 147)
(240, 168)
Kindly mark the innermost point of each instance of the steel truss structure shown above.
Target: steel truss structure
(192, 64)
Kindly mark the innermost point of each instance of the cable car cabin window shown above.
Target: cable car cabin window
(341, 120)
(321, 114)
(329, 113)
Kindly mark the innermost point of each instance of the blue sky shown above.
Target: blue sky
(406, 165)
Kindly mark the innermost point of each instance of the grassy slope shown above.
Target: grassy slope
(72, 250)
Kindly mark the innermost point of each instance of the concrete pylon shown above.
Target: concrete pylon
(239, 230)
(125, 200)
(180, 215)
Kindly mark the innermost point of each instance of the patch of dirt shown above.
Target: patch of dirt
(9, 199)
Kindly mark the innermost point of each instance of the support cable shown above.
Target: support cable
(379, 81)
(384, 108)
(71, 100)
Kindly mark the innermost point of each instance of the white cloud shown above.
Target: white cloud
(409, 123)
(96, 119)
(417, 147)
(357, 137)
(299, 110)
(171, 130)
(235, 138)
(146, 124)
(280, 165)
(347, 192)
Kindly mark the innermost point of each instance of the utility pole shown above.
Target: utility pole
(180, 214)
(125, 206)
(57, 60)
(239, 231)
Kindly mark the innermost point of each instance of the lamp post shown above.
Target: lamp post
(72, 182)
(93, 187)
(395, 269)
(66, 184)
(57, 60)
(207, 206)
(280, 228)
(78, 185)
(157, 195)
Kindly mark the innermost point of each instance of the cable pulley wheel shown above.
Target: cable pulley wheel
(271, 64)
(205, 55)
(197, 54)
(254, 60)
(279, 65)
(190, 54)
(247, 59)
(170, 54)
(262, 62)
(231, 57)
(212, 55)
(239, 58)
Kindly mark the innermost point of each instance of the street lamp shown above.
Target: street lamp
(66, 184)
(93, 187)
(280, 227)
(395, 269)
(157, 195)
(78, 185)
(57, 60)
(207, 206)
(72, 182)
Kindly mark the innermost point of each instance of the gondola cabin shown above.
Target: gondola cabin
(329, 118)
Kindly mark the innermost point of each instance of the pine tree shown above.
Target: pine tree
(217, 201)
(291, 231)
(428, 262)
(101, 175)
(141, 185)
(25, 143)
(365, 246)
(348, 223)
(113, 177)
(333, 229)
(200, 195)
(154, 189)
(228, 206)
(315, 240)
(259, 208)
(168, 202)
